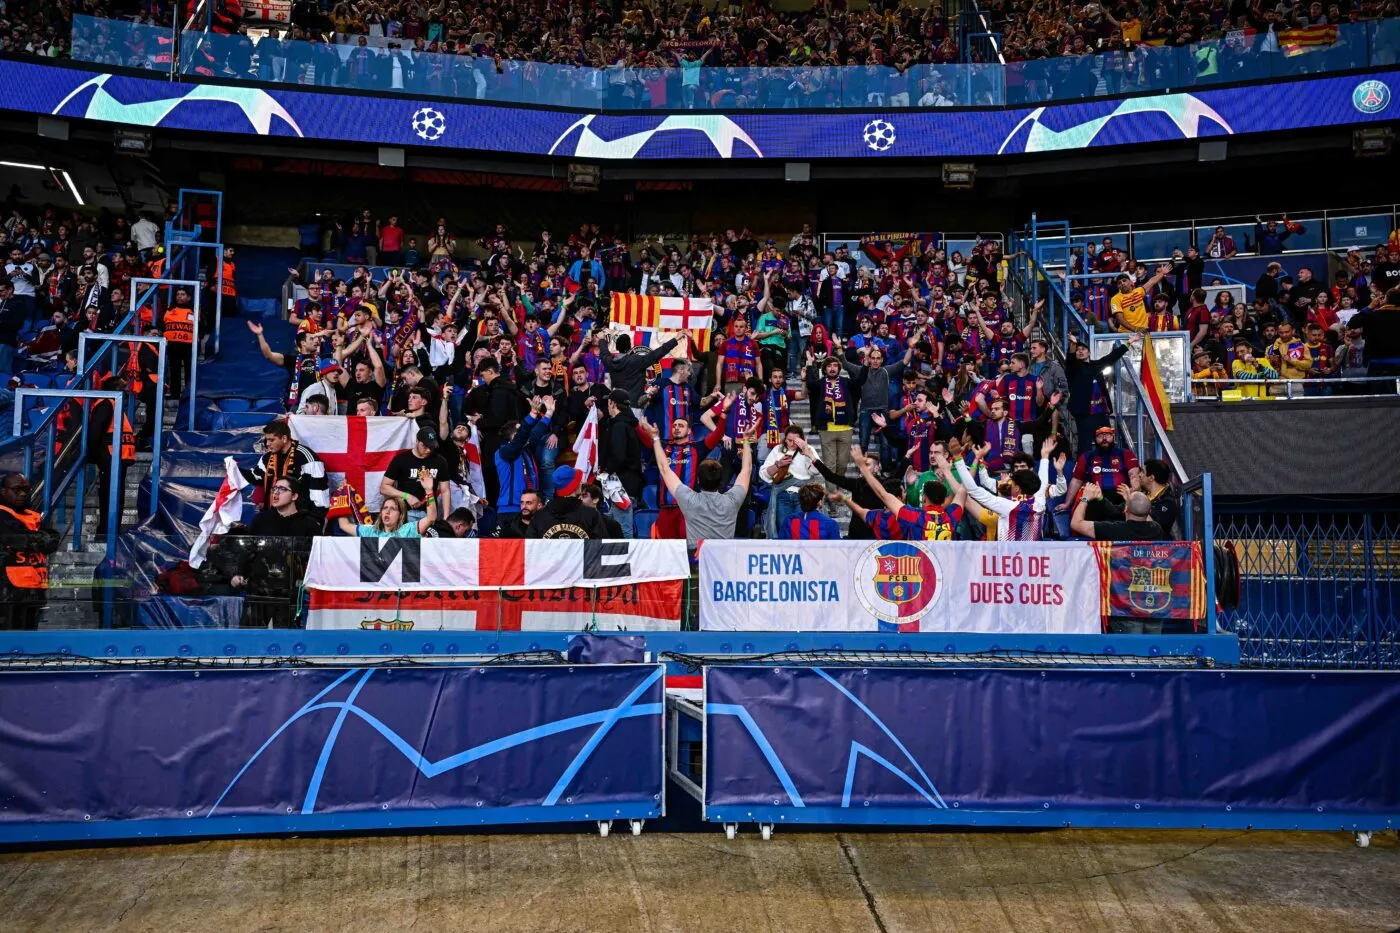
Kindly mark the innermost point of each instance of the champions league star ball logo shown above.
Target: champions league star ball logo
(429, 124)
(257, 105)
(1371, 96)
(723, 134)
(879, 135)
(898, 582)
(1189, 113)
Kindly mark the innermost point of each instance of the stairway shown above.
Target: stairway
(75, 594)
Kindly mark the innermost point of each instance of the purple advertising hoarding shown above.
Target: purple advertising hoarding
(206, 752)
(405, 121)
(1144, 747)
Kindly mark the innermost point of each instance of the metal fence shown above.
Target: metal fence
(1316, 589)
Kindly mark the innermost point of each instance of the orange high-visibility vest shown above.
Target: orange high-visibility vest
(30, 570)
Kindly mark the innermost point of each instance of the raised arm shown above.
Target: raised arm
(663, 465)
(269, 354)
(889, 499)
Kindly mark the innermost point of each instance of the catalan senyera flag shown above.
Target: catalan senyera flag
(645, 313)
(1152, 385)
(1305, 39)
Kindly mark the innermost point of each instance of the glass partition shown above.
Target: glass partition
(393, 66)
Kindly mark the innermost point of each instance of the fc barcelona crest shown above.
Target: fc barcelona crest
(898, 582)
(387, 625)
(1150, 588)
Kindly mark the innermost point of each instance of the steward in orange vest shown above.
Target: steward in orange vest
(25, 546)
(99, 452)
(230, 291)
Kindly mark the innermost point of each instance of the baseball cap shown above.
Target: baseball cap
(330, 368)
(567, 480)
(621, 397)
(428, 437)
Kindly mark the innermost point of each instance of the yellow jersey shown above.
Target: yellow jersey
(1132, 305)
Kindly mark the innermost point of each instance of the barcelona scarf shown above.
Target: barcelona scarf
(1152, 580)
(347, 503)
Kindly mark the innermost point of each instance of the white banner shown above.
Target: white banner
(447, 564)
(630, 607)
(900, 586)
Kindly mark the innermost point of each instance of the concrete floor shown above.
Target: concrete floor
(1071, 880)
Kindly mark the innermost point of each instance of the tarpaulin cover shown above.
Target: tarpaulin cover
(1276, 741)
(201, 745)
(167, 612)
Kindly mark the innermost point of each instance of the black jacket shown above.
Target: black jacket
(629, 370)
(1082, 376)
(620, 453)
(270, 523)
(498, 404)
(1382, 330)
(567, 517)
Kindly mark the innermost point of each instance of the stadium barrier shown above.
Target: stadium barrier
(142, 752)
(1236, 58)
(1033, 588)
(847, 741)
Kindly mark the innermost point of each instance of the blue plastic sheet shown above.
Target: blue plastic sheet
(178, 612)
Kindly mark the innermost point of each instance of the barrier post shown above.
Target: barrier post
(1208, 553)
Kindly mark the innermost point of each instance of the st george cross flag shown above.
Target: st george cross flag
(224, 511)
(355, 450)
(645, 313)
(586, 447)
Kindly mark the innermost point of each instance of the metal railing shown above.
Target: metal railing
(1334, 229)
(1317, 589)
(1348, 387)
(665, 84)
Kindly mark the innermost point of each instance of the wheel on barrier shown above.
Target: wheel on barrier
(1363, 840)
(731, 830)
(637, 827)
(765, 830)
(604, 826)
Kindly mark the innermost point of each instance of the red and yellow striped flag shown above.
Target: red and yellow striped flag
(648, 315)
(1305, 39)
(1153, 389)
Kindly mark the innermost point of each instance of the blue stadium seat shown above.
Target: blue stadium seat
(37, 380)
(233, 420)
(649, 496)
(642, 520)
(64, 380)
(34, 416)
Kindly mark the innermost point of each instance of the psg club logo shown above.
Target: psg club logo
(1371, 96)
(879, 135)
(429, 124)
(898, 582)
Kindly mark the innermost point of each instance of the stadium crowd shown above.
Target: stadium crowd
(1294, 328)
(908, 360)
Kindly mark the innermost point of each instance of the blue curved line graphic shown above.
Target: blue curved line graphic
(764, 746)
(313, 788)
(885, 729)
(273, 738)
(857, 750)
(434, 768)
(598, 735)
